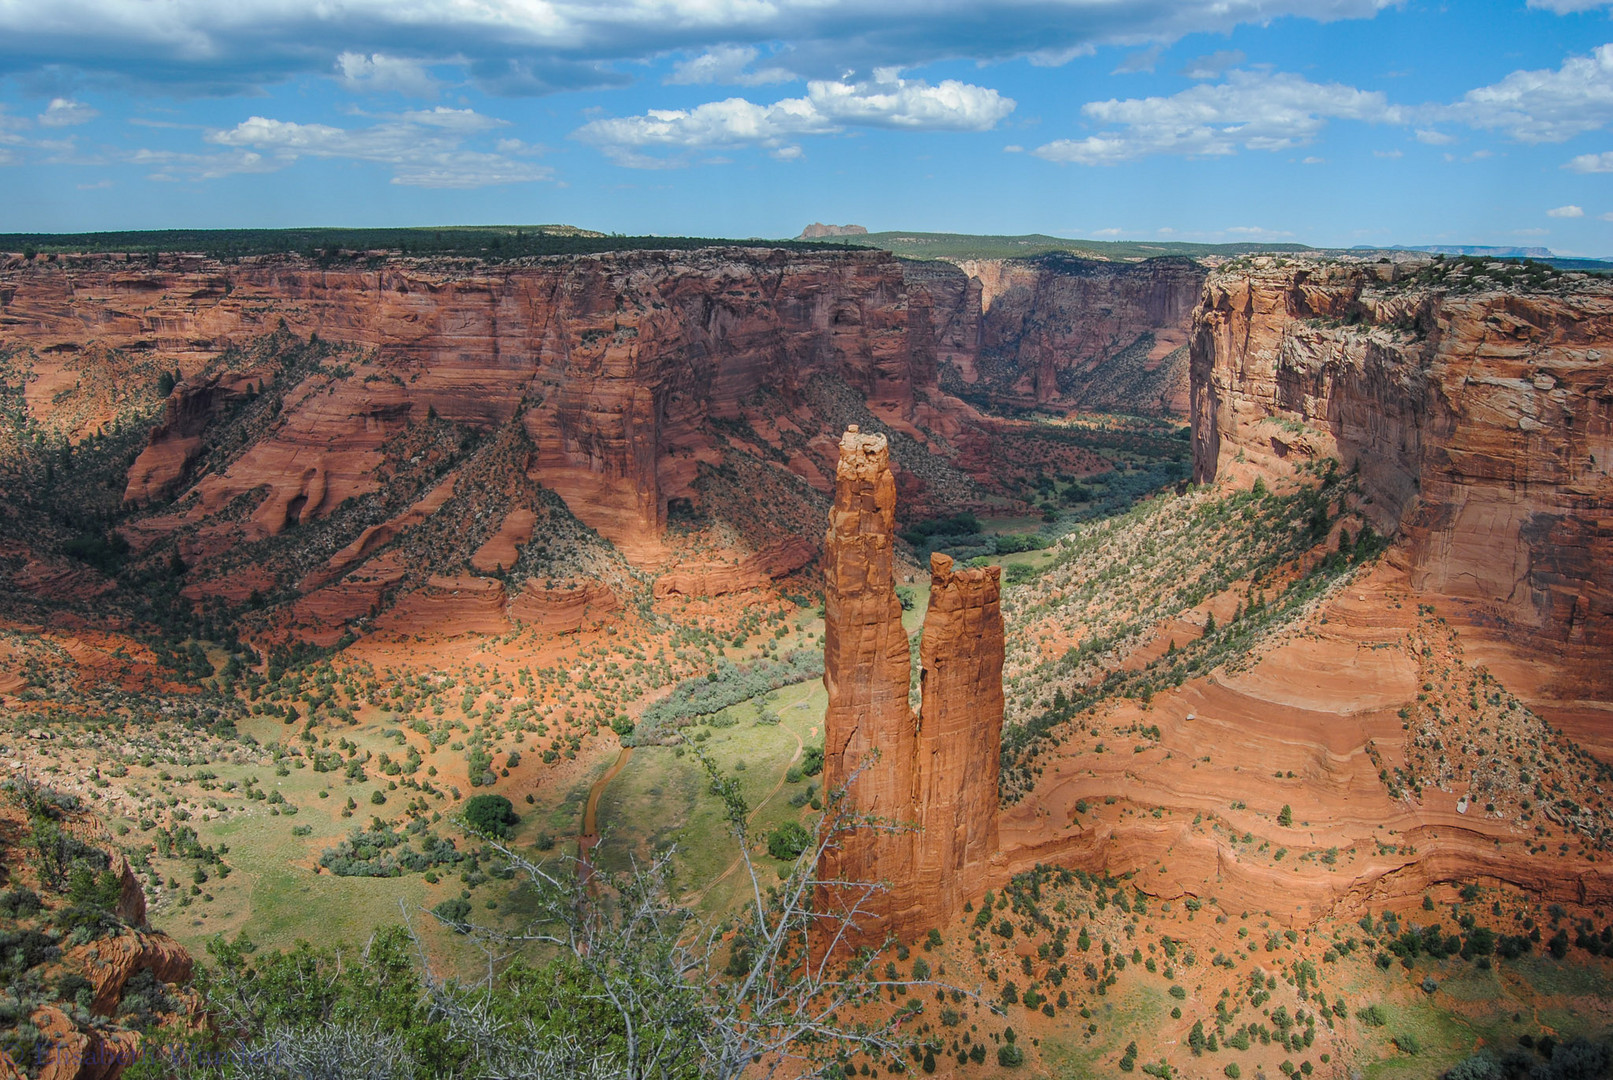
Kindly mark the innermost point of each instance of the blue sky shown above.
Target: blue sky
(1331, 122)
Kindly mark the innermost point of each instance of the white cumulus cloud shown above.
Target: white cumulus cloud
(423, 148)
(65, 112)
(1252, 110)
(887, 101)
(728, 65)
(1592, 163)
(1547, 105)
(540, 46)
(1569, 211)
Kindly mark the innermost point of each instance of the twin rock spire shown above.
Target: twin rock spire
(931, 777)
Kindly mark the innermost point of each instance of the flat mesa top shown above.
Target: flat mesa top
(862, 454)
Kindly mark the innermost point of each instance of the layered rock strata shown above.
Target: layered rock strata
(924, 787)
(614, 364)
(1478, 410)
(1061, 331)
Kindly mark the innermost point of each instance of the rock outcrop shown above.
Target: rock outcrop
(174, 443)
(614, 364)
(91, 997)
(717, 579)
(960, 726)
(870, 738)
(1062, 331)
(818, 231)
(1478, 410)
(928, 782)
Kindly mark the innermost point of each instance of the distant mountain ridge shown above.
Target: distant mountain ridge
(1467, 249)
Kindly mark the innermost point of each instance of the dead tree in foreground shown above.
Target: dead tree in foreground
(682, 998)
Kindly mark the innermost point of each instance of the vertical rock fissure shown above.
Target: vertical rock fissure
(929, 780)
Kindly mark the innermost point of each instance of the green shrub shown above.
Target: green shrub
(19, 903)
(454, 910)
(788, 841)
(492, 815)
(812, 761)
(1481, 1066)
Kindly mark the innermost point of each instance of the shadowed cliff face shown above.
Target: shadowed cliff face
(1066, 332)
(1480, 418)
(612, 364)
(933, 776)
(630, 375)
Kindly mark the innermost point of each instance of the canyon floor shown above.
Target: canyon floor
(1275, 800)
(1236, 800)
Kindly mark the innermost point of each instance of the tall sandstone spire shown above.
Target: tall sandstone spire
(931, 779)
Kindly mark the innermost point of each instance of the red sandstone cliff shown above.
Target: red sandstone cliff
(1479, 413)
(1062, 331)
(928, 784)
(613, 364)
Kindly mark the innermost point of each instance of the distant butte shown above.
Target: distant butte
(818, 231)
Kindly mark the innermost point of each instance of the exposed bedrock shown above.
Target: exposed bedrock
(870, 737)
(1056, 330)
(614, 364)
(1481, 420)
(960, 725)
(930, 779)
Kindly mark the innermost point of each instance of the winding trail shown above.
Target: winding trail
(590, 815)
(589, 837)
(700, 894)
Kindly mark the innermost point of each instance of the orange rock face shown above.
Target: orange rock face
(927, 784)
(70, 1044)
(960, 727)
(716, 579)
(870, 738)
(612, 363)
(563, 608)
(1065, 331)
(1480, 418)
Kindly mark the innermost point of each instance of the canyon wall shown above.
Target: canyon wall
(612, 363)
(927, 783)
(1478, 410)
(1064, 332)
(616, 365)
